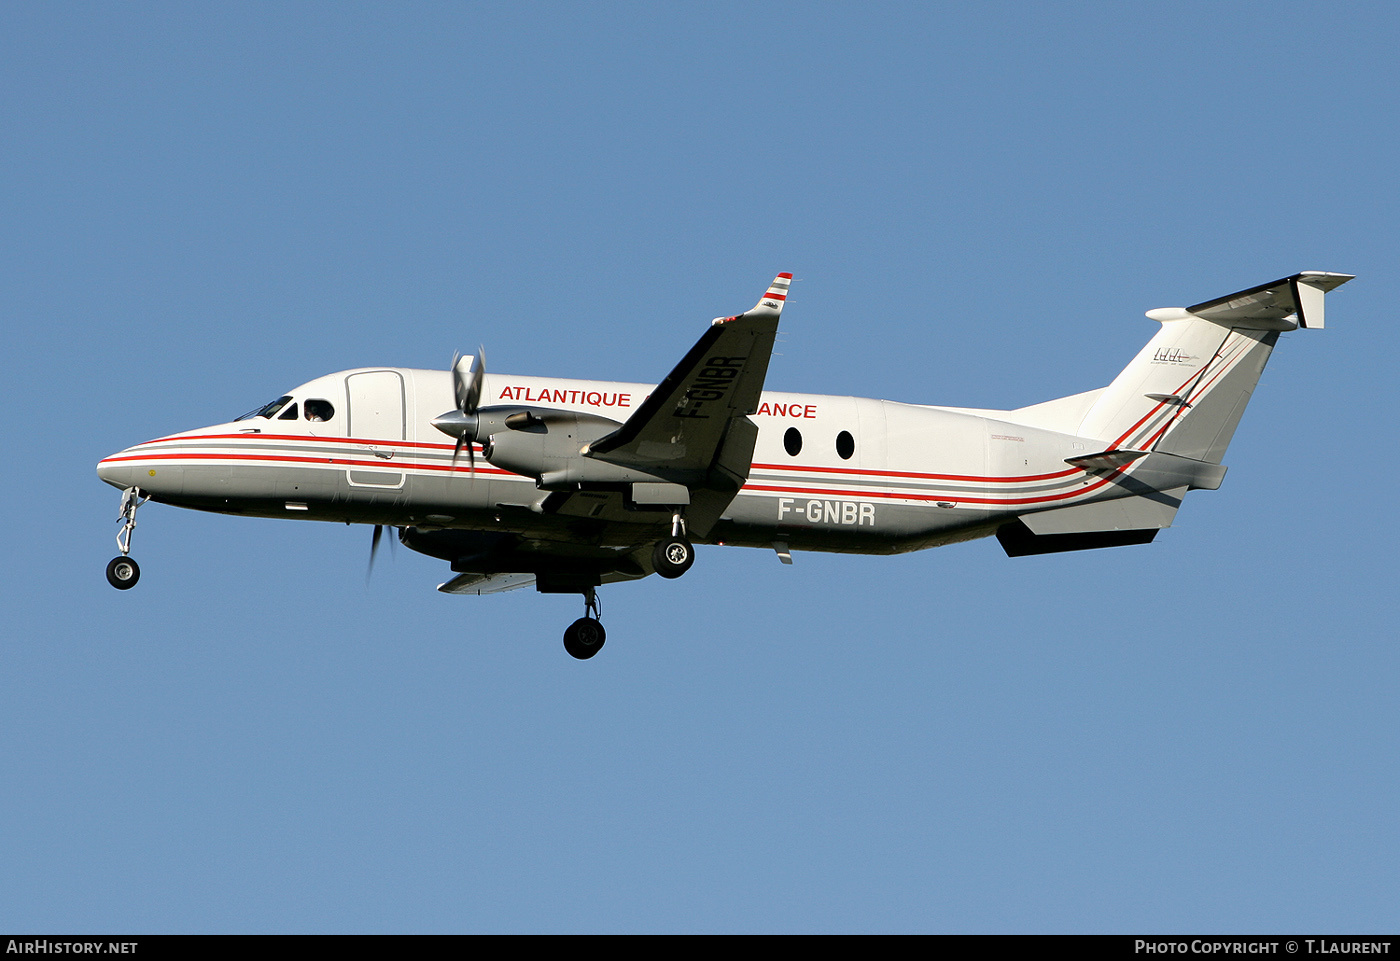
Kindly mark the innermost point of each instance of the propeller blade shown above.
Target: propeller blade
(471, 454)
(480, 381)
(467, 376)
(373, 549)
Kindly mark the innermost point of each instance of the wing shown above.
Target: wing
(680, 425)
(694, 427)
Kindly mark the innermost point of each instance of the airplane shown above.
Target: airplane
(566, 485)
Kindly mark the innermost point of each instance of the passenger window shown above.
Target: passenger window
(792, 441)
(289, 414)
(845, 444)
(319, 410)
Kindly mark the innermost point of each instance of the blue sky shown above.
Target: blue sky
(206, 205)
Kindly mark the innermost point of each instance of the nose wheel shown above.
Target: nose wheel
(122, 571)
(585, 636)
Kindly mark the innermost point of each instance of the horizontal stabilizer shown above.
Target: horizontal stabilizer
(1142, 512)
(1018, 541)
(1284, 304)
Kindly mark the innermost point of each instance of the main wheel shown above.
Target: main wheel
(584, 638)
(673, 557)
(123, 573)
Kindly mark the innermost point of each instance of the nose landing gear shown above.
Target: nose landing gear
(123, 572)
(585, 636)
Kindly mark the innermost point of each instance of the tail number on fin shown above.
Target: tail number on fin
(818, 511)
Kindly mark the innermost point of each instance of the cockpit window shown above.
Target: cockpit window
(319, 410)
(289, 414)
(267, 411)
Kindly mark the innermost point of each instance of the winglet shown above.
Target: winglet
(770, 304)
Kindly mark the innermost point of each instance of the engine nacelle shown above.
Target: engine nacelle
(536, 441)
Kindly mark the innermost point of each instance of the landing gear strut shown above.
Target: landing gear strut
(585, 636)
(123, 572)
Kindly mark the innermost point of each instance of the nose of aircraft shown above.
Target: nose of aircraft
(155, 466)
(119, 473)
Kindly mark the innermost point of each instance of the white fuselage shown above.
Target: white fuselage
(829, 473)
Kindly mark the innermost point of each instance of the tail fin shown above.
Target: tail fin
(1185, 392)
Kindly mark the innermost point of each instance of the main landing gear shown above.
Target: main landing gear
(585, 636)
(673, 556)
(122, 571)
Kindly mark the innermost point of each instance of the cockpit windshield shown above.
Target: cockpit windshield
(267, 410)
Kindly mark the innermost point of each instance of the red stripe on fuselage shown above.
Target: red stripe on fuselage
(303, 438)
(254, 439)
(895, 473)
(954, 498)
(294, 459)
(332, 460)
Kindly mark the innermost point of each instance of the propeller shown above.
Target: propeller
(468, 373)
(374, 548)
